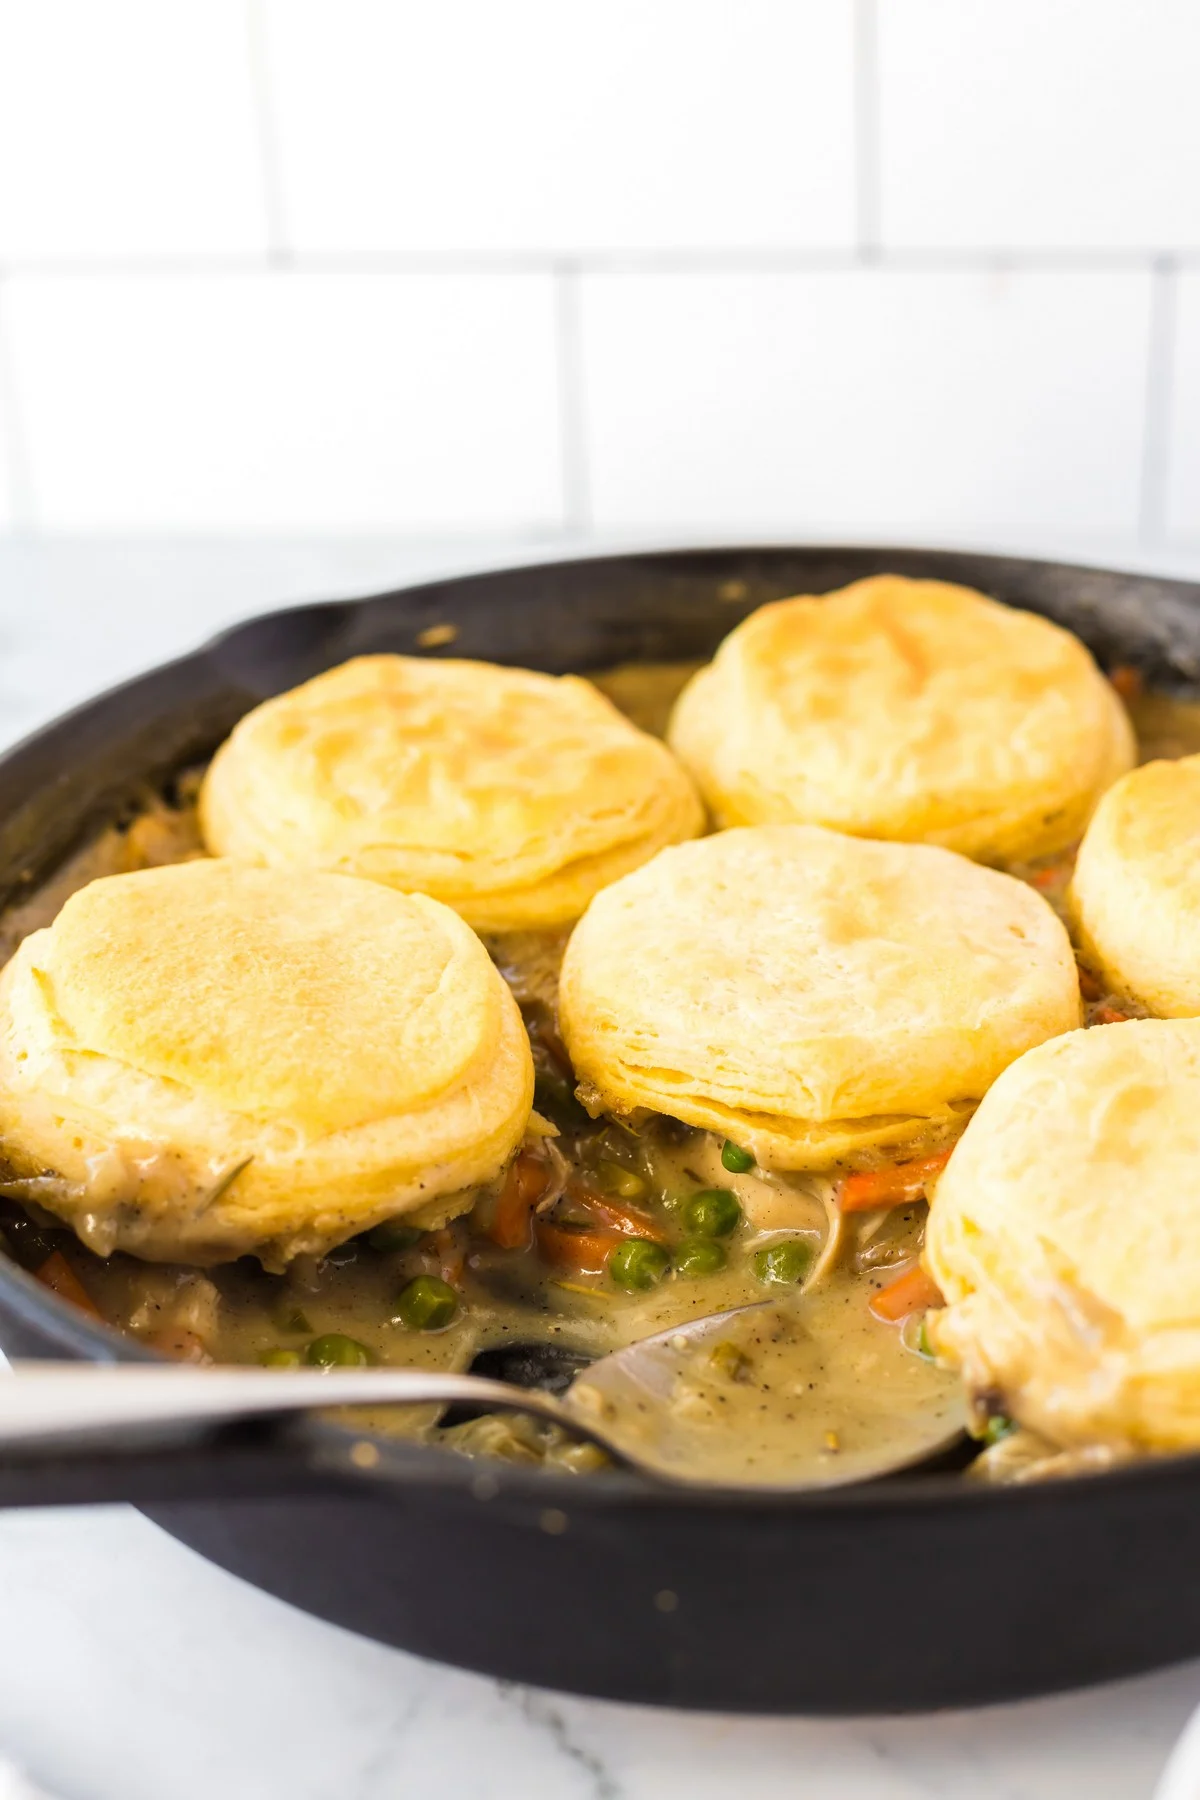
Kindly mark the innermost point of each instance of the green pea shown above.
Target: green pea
(699, 1256)
(735, 1159)
(726, 1359)
(427, 1304)
(615, 1178)
(638, 1264)
(336, 1351)
(280, 1359)
(997, 1428)
(393, 1234)
(713, 1212)
(784, 1262)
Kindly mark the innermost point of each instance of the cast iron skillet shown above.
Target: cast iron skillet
(915, 1593)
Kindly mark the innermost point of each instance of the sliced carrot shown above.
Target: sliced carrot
(1108, 1015)
(57, 1274)
(1050, 879)
(1127, 680)
(524, 1185)
(1089, 987)
(914, 1291)
(628, 1221)
(587, 1252)
(890, 1186)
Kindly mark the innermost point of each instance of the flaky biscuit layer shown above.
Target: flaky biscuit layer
(1135, 893)
(808, 994)
(1065, 1235)
(511, 796)
(206, 1060)
(913, 710)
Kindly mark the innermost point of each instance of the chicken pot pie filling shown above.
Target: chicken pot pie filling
(604, 1216)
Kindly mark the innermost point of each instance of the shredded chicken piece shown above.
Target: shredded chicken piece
(835, 1233)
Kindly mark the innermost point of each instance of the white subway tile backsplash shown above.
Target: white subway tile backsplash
(306, 403)
(563, 125)
(866, 400)
(1183, 414)
(1039, 123)
(338, 266)
(127, 127)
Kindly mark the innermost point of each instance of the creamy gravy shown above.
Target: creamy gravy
(860, 1381)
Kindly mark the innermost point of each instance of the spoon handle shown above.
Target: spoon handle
(65, 1403)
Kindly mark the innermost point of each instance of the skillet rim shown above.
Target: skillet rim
(323, 1448)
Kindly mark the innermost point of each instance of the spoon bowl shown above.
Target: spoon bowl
(752, 1398)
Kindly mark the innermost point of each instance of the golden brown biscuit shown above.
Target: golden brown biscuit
(808, 994)
(912, 710)
(1065, 1236)
(1135, 894)
(206, 1060)
(511, 796)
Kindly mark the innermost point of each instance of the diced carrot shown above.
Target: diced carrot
(1108, 1015)
(179, 1344)
(1053, 877)
(890, 1186)
(587, 1252)
(524, 1185)
(914, 1291)
(1127, 680)
(1089, 987)
(57, 1274)
(629, 1221)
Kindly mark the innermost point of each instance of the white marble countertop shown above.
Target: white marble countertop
(132, 1670)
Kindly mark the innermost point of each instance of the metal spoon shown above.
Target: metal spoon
(715, 1401)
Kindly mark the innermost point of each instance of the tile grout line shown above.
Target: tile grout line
(12, 434)
(867, 161)
(269, 160)
(1156, 437)
(572, 407)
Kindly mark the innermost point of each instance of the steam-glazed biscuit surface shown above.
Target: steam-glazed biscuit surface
(1135, 895)
(811, 995)
(510, 795)
(1065, 1236)
(352, 1053)
(912, 710)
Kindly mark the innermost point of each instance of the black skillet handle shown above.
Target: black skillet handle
(253, 1459)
